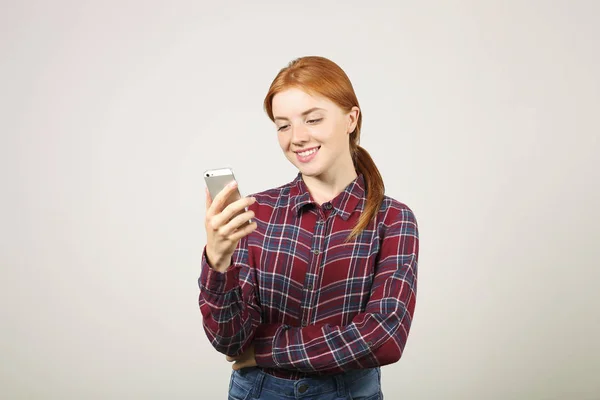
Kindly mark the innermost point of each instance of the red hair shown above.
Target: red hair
(318, 75)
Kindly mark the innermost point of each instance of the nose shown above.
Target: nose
(299, 134)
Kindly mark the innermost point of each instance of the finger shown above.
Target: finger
(230, 211)
(236, 223)
(238, 365)
(220, 199)
(238, 206)
(230, 359)
(243, 232)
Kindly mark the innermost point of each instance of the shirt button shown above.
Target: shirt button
(327, 206)
(370, 343)
(302, 388)
(316, 252)
(309, 286)
(304, 322)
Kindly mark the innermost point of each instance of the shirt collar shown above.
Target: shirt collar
(351, 198)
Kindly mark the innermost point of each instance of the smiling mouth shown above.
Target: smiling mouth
(306, 153)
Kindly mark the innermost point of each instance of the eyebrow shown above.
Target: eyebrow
(303, 114)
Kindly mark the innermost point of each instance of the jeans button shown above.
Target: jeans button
(302, 388)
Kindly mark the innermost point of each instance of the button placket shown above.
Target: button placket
(313, 268)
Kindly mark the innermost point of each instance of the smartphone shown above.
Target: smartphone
(217, 179)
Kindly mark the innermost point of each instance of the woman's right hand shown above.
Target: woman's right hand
(225, 226)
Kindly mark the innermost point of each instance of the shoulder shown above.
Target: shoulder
(270, 197)
(394, 212)
(398, 228)
(267, 201)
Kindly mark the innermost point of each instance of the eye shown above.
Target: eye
(282, 128)
(314, 121)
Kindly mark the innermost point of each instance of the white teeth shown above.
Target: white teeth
(308, 153)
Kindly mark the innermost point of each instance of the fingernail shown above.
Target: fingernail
(233, 184)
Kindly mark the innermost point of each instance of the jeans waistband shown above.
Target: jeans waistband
(304, 387)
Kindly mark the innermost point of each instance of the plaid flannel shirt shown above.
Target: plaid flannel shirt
(310, 303)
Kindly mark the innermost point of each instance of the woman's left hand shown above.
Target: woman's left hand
(247, 359)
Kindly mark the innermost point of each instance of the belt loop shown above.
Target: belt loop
(341, 388)
(258, 382)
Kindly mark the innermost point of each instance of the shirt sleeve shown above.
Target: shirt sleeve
(228, 303)
(376, 336)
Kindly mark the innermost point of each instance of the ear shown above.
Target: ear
(353, 119)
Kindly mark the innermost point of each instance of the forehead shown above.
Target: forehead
(294, 101)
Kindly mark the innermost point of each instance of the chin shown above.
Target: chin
(307, 170)
(310, 171)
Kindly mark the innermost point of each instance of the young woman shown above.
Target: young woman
(314, 296)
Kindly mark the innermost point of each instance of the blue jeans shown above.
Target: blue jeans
(252, 383)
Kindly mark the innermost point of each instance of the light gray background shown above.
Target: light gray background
(482, 116)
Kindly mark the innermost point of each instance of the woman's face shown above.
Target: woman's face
(313, 132)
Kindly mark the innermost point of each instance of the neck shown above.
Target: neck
(327, 186)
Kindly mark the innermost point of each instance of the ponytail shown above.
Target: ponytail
(375, 189)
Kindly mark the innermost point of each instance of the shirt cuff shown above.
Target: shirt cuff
(263, 344)
(215, 281)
